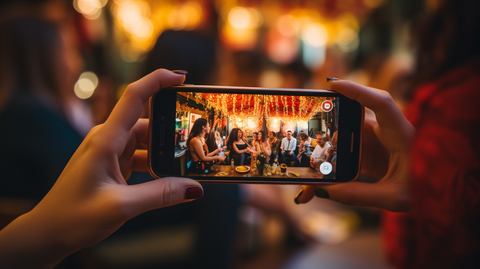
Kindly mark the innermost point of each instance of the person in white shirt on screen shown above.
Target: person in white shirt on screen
(288, 146)
(320, 153)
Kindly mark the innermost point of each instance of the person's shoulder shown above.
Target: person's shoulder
(196, 140)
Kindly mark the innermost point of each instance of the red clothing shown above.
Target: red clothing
(443, 229)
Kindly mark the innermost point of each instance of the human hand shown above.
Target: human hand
(91, 198)
(385, 154)
(221, 158)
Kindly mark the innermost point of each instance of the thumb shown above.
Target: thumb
(390, 196)
(161, 193)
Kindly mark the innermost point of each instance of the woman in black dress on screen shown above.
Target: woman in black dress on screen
(275, 146)
(237, 146)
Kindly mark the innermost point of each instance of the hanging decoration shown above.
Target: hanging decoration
(250, 110)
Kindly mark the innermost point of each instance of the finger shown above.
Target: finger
(392, 197)
(161, 193)
(305, 194)
(140, 160)
(387, 112)
(140, 129)
(130, 106)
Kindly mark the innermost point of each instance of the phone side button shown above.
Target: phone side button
(351, 144)
(162, 135)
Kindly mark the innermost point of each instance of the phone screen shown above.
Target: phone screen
(256, 136)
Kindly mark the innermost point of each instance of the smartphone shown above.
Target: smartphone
(262, 127)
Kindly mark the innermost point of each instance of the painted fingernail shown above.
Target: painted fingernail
(298, 196)
(321, 193)
(181, 72)
(193, 192)
(332, 79)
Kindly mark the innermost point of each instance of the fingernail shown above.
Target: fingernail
(298, 196)
(321, 193)
(193, 192)
(181, 72)
(332, 79)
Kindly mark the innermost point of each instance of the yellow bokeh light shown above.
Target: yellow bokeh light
(194, 13)
(239, 18)
(90, 76)
(88, 6)
(256, 18)
(177, 20)
(315, 35)
(84, 88)
(129, 14)
(143, 29)
(90, 9)
(347, 39)
(288, 25)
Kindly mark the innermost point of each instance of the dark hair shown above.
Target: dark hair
(445, 38)
(303, 136)
(211, 141)
(319, 133)
(263, 136)
(233, 137)
(28, 58)
(289, 131)
(255, 133)
(196, 129)
(274, 134)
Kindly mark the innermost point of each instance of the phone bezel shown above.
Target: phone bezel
(351, 118)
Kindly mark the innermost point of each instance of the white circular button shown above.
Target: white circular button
(326, 168)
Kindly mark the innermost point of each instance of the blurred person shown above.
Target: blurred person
(262, 146)
(288, 146)
(303, 149)
(211, 138)
(334, 139)
(320, 153)
(39, 65)
(238, 147)
(202, 159)
(332, 157)
(326, 135)
(212, 221)
(218, 140)
(275, 146)
(421, 172)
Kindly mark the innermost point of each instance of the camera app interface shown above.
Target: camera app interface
(257, 136)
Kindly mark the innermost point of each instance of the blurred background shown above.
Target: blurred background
(64, 64)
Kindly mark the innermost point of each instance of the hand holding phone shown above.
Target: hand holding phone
(383, 130)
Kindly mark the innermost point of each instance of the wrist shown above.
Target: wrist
(25, 246)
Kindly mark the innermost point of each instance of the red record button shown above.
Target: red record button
(327, 106)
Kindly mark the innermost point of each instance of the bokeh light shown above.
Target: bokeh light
(90, 9)
(86, 85)
(239, 18)
(315, 35)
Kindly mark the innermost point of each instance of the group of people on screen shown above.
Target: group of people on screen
(206, 147)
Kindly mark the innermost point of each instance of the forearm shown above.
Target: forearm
(208, 158)
(213, 153)
(23, 245)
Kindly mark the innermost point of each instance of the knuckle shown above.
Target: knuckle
(169, 196)
(387, 99)
(350, 196)
(96, 139)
